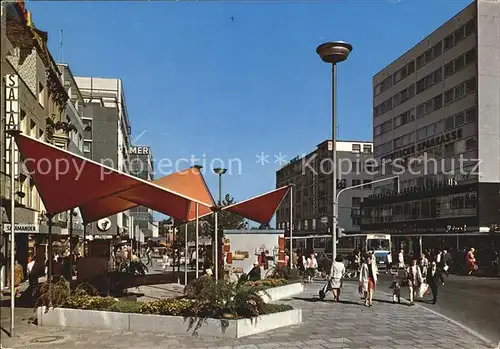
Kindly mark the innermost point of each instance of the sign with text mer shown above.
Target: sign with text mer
(12, 121)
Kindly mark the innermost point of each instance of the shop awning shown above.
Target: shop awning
(189, 182)
(66, 180)
(259, 208)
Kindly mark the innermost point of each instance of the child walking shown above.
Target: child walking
(396, 289)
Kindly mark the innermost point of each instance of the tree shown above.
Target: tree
(226, 220)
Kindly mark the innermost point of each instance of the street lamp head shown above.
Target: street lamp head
(334, 52)
(220, 171)
(199, 167)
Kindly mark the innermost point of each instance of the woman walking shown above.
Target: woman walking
(415, 279)
(471, 261)
(367, 280)
(336, 275)
(312, 265)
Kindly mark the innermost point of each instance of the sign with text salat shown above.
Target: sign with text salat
(12, 120)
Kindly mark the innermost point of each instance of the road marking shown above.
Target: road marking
(464, 327)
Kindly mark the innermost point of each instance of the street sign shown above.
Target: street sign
(22, 228)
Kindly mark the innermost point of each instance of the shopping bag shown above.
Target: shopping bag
(324, 290)
(422, 290)
(445, 268)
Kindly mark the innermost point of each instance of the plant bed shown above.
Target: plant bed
(164, 324)
(236, 309)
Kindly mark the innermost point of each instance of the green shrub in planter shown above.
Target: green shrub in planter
(171, 306)
(125, 307)
(89, 302)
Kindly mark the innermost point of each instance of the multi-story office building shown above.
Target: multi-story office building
(107, 133)
(141, 165)
(436, 122)
(34, 96)
(312, 195)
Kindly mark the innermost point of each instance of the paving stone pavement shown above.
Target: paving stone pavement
(326, 325)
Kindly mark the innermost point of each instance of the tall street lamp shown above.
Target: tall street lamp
(334, 52)
(219, 171)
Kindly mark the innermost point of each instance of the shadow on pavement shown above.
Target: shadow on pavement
(315, 299)
(388, 302)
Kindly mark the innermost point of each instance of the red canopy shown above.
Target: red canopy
(189, 182)
(66, 180)
(259, 208)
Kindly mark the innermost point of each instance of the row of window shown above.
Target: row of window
(456, 120)
(460, 34)
(430, 80)
(461, 118)
(429, 106)
(403, 95)
(460, 63)
(460, 90)
(429, 55)
(393, 79)
(437, 207)
(426, 57)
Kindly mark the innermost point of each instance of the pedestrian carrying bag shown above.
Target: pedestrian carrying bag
(323, 291)
(422, 290)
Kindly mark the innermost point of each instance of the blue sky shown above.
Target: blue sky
(231, 80)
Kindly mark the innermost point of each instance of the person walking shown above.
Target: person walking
(415, 279)
(388, 263)
(424, 264)
(434, 279)
(470, 261)
(401, 260)
(148, 256)
(446, 262)
(312, 266)
(367, 280)
(336, 277)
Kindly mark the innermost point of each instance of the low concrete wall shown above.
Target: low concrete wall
(282, 292)
(169, 325)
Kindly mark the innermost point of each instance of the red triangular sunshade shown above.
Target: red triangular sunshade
(260, 208)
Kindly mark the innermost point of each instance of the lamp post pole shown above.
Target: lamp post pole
(291, 227)
(333, 53)
(220, 172)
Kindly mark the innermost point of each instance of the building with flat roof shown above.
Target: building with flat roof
(107, 134)
(312, 194)
(436, 123)
(141, 166)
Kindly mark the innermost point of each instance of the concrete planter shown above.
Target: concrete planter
(169, 325)
(282, 292)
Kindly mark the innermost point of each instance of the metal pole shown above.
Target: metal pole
(85, 237)
(12, 235)
(49, 257)
(291, 227)
(197, 243)
(334, 160)
(71, 244)
(216, 250)
(185, 254)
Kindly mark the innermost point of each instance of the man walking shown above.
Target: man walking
(388, 263)
(434, 279)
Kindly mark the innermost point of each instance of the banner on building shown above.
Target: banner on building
(12, 112)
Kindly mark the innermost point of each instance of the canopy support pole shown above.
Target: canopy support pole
(216, 249)
(197, 243)
(185, 254)
(291, 228)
